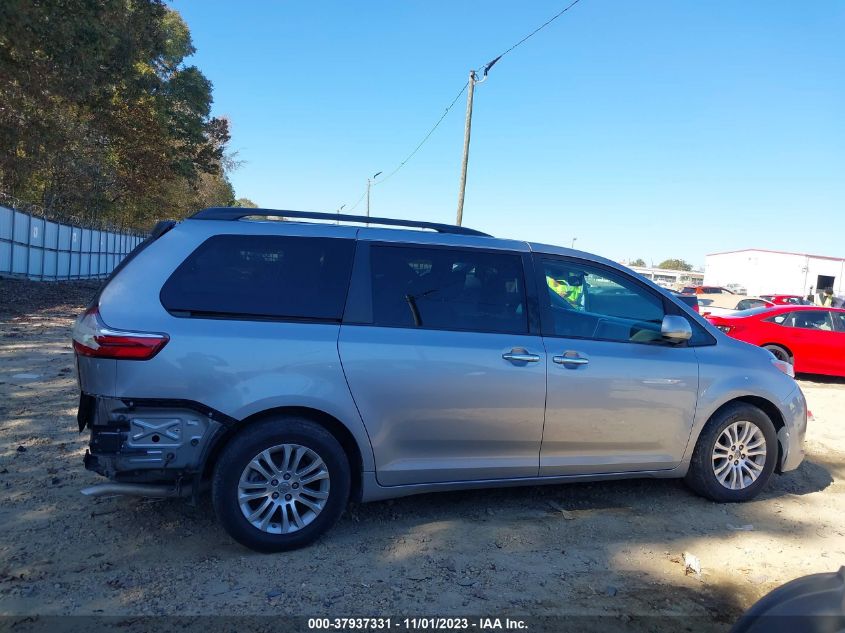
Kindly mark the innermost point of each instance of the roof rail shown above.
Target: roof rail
(236, 213)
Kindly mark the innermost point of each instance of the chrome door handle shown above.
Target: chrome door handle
(521, 357)
(570, 360)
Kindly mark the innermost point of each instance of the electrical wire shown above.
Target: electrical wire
(417, 148)
(485, 69)
(427, 136)
(354, 206)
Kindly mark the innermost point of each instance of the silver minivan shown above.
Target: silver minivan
(290, 366)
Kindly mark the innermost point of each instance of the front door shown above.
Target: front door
(620, 398)
(816, 340)
(449, 382)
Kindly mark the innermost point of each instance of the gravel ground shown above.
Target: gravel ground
(602, 548)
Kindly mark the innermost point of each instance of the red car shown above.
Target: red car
(712, 290)
(787, 300)
(809, 337)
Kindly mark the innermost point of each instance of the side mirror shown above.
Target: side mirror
(675, 328)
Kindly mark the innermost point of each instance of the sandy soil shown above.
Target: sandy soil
(610, 548)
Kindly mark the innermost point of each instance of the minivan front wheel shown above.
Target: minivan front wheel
(735, 454)
(280, 483)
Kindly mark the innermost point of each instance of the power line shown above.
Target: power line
(427, 136)
(486, 68)
(353, 207)
(417, 148)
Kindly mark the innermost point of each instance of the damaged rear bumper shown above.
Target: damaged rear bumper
(148, 441)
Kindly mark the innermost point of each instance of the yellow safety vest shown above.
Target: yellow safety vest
(571, 293)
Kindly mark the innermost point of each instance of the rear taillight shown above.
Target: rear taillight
(91, 337)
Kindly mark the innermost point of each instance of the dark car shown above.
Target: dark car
(713, 290)
(690, 299)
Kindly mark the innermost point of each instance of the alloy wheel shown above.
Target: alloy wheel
(283, 488)
(739, 455)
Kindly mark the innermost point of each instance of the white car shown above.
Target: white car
(722, 304)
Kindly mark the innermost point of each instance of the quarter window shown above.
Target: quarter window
(592, 303)
(262, 276)
(448, 289)
(781, 319)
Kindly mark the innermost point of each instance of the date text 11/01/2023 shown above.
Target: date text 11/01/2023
(417, 624)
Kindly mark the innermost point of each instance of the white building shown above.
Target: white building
(763, 272)
(667, 278)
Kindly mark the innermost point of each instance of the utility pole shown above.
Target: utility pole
(369, 184)
(467, 131)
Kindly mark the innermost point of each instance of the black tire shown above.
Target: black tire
(246, 445)
(701, 476)
(781, 353)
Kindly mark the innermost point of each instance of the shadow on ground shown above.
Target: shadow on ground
(820, 379)
(22, 297)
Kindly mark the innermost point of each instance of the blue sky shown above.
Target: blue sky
(643, 129)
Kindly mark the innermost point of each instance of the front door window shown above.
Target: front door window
(592, 303)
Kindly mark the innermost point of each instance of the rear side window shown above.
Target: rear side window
(262, 276)
(448, 289)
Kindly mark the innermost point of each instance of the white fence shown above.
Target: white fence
(34, 247)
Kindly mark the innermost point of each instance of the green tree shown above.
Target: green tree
(100, 117)
(638, 262)
(675, 264)
(246, 203)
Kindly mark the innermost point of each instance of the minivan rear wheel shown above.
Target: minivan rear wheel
(735, 454)
(280, 483)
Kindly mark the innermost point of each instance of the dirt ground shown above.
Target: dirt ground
(600, 548)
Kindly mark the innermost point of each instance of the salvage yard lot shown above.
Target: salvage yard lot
(601, 548)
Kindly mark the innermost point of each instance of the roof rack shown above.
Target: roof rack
(237, 213)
